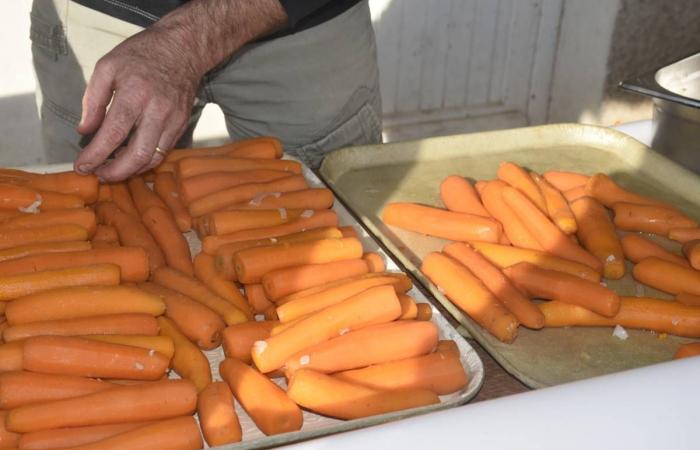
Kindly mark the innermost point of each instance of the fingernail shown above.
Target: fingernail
(85, 168)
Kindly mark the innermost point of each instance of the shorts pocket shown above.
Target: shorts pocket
(47, 31)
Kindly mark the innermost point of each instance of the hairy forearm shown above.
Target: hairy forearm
(209, 31)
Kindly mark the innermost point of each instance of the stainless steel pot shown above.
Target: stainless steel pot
(676, 95)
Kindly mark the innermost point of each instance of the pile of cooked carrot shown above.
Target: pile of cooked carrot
(555, 237)
(101, 300)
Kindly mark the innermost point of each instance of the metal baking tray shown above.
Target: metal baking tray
(366, 178)
(316, 425)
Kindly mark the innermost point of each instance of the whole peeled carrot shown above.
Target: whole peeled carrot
(251, 264)
(188, 361)
(691, 250)
(637, 248)
(122, 198)
(269, 406)
(42, 235)
(13, 286)
(82, 301)
(132, 262)
(687, 350)
(11, 356)
(30, 200)
(688, 299)
(143, 196)
(35, 249)
(313, 199)
(557, 206)
(184, 284)
(72, 183)
(373, 306)
(105, 233)
(520, 179)
(662, 316)
(226, 222)
(504, 256)
(375, 262)
(197, 322)
(104, 193)
(217, 416)
(548, 235)
(243, 193)
(166, 188)
(161, 224)
(238, 339)
(137, 324)
(458, 195)
(554, 285)
(341, 399)
(205, 271)
(440, 371)
(566, 180)
(257, 299)
(281, 282)
(684, 234)
(132, 233)
(667, 276)
(70, 437)
(606, 191)
(597, 234)
(161, 344)
(520, 306)
(470, 295)
(262, 147)
(441, 223)
(8, 439)
(191, 166)
(83, 217)
(24, 388)
(136, 403)
(199, 186)
(513, 227)
(424, 311)
(321, 219)
(650, 218)
(371, 345)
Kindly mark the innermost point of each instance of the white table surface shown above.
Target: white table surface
(652, 407)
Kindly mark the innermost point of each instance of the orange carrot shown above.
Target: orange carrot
(504, 256)
(239, 339)
(191, 166)
(520, 179)
(282, 282)
(271, 313)
(8, 439)
(65, 355)
(35, 249)
(205, 271)
(441, 223)
(82, 301)
(142, 195)
(161, 224)
(11, 356)
(521, 307)
(251, 264)
(42, 235)
(375, 262)
(321, 219)
(217, 416)
(132, 233)
(684, 234)
(13, 286)
(566, 180)
(105, 233)
(104, 193)
(132, 262)
(199, 292)
(548, 235)
(68, 437)
(269, 406)
(197, 322)
(333, 397)
(137, 403)
(83, 217)
(243, 193)
(513, 227)
(224, 253)
(167, 190)
(226, 222)
(470, 295)
(667, 276)
(198, 186)
(304, 199)
(140, 324)
(122, 198)
(606, 191)
(596, 232)
(71, 183)
(424, 311)
(557, 206)
(371, 345)
(373, 306)
(441, 372)
(258, 147)
(257, 299)
(31, 200)
(24, 388)
(662, 316)
(458, 195)
(650, 218)
(687, 350)
(688, 299)
(691, 250)
(188, 361)
(637, 248)
(554, 285)
(160, 344)
(348, 231)
(574, 194)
